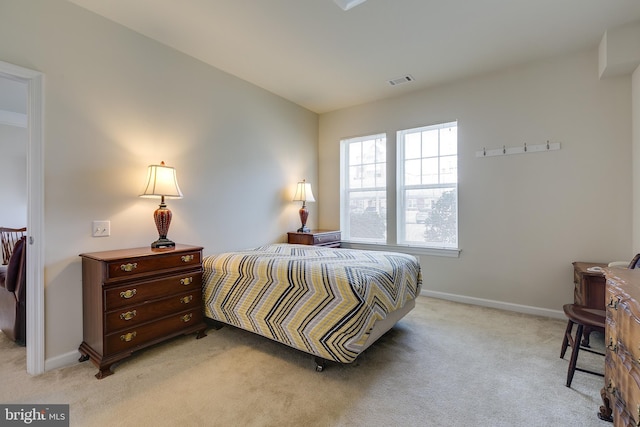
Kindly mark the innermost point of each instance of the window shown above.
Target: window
(364, 189)
(423, 187)
(428, 186)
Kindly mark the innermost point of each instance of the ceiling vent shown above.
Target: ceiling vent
(401, 80)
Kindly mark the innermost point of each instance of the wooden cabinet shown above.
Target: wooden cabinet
(328, 238)
(621, 392)
(588, 285)
(134, 298)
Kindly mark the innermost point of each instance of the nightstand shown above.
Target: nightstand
(134, 298)
(328, 238)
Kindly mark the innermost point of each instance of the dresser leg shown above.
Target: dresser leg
(605, 409)
(104, 372)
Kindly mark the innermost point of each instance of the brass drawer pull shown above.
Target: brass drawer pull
(187, 299)
(128, 315)
(186, 317)
(129, 267)
(128, 337)
(187, 258)
(186, 281)
(129, 293)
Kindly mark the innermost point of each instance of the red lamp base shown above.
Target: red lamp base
(162, 216)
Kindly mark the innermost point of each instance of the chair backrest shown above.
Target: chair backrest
(635, 263)
(8, 239)
(15, 280)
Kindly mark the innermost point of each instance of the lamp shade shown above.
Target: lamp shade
(303, 192)
(162, 181)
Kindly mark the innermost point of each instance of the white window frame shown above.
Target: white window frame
(345, 190)
(441, 183)
(394, 167)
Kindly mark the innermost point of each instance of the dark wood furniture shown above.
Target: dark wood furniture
(13, 295)
(328, 238)
(588, 290)
(621, 392)
(8, 239)
(585, 318)
(134, 298)
(588, 285)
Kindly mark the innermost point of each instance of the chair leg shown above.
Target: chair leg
(574, 354)
(565, 340)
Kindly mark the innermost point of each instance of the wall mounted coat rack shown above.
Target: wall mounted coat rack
(523, 149)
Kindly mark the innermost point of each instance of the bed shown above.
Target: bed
(330, 303)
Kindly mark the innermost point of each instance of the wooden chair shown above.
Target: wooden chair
(584, 317)
(8, 239)
(13, 295)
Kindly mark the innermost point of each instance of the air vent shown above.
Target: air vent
(401, 80)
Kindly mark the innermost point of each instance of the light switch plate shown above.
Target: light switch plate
(101, 228)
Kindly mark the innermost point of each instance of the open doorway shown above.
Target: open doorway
(32, 81)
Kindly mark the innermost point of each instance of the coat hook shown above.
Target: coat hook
(547, 144)
(525, 147)
(484, 151)
(504, 149)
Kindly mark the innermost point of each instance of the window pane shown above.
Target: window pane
(355, 153)
(355, 177)
(449, 141)
(368, 151)
(427, 187)
(449, 170)
(368, 215)
(363, 213)
(430, 171)
(434, 223)
(381, 175)
(430, 143)
(412, 146)
(368, 176)
(412, 172)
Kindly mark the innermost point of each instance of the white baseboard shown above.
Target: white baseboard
(62, 361)
(537, 311)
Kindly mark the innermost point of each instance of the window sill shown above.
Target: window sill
(413, 250)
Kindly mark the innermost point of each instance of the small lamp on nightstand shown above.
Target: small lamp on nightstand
(162, 182)
(304, 194)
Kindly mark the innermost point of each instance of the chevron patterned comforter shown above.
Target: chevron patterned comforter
(322, 301)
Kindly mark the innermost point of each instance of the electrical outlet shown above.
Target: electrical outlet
(101, 228)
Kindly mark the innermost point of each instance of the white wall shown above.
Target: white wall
(523, 218)
(636, 158)
(13, 176)
(115, 102)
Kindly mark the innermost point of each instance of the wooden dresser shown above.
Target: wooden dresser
(328, 238)
(621, 392)
(134, 298)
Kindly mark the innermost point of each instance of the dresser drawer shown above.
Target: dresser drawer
(628, 381)
(136, 266)
(132, 316)
(326, 238)
(131, 339)
(138, 292)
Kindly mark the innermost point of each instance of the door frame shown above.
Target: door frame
(35, 212)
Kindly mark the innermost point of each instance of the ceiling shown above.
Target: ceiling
(321, 57)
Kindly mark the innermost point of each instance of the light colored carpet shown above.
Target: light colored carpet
(445, 364)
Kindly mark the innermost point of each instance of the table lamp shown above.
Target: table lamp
(162, 182)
